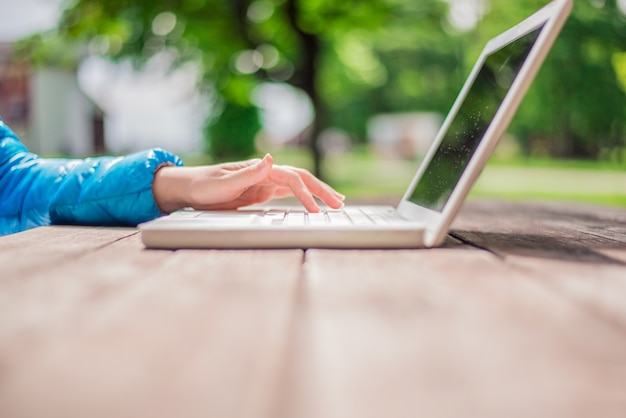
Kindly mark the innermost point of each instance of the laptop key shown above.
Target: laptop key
(338, 218)
(378, 219)
(295, 219)
(273, 218)
(317, 218)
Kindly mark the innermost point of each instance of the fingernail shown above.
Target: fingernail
(263, 160)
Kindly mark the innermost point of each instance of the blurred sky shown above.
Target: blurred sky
(19, 18)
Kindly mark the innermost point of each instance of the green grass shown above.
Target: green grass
(552, 163)
(363, 175)
(562, 183)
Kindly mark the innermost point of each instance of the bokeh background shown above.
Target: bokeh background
(353, 90)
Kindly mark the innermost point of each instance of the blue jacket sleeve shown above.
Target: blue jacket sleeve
(37, 191)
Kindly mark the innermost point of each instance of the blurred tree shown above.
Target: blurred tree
(358, 58)
(238, 43)
(353, 59)
(235, 130)
(408, 63)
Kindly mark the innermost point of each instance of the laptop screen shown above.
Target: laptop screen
(471, 123)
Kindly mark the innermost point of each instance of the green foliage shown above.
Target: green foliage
(359, 58)
(406, 63)
(576, 107)
(232, 135)
(49, 51)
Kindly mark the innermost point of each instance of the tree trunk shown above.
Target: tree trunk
(306, 79)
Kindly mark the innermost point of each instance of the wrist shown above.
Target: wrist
(170, 188)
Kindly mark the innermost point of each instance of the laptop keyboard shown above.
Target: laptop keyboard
(346, 217)
(349, 216)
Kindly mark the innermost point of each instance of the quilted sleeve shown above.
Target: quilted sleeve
(37, 191)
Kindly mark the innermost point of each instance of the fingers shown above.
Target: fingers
(249, 176)
(251, 173)
(320, 189)
(304, 186)
(289, 178)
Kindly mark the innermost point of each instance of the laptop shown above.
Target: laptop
(479, 117)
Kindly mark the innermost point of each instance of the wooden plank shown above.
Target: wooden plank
(36, 250)
(576, 251)
(445, 333)
(124, 331)
(568, 231)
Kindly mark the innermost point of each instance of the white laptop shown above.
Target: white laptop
(478, 118)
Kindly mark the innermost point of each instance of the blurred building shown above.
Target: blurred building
(47, 109)
(408, 135)
(14, 90)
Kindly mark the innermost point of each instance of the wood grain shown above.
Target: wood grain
(127, 332)
(445, 333)
(576, 251)
(36, 250)
(521, 313)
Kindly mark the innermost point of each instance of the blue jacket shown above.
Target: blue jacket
(37, 191)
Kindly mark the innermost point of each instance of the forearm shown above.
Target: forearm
(111, 191)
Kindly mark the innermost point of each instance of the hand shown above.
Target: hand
(233, 185)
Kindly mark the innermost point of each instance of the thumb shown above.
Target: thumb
(253, 174)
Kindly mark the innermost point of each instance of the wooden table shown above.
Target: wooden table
(521, 314)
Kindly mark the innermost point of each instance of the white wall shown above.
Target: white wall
(61, 115)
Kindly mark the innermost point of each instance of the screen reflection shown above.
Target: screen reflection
(471, 122)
